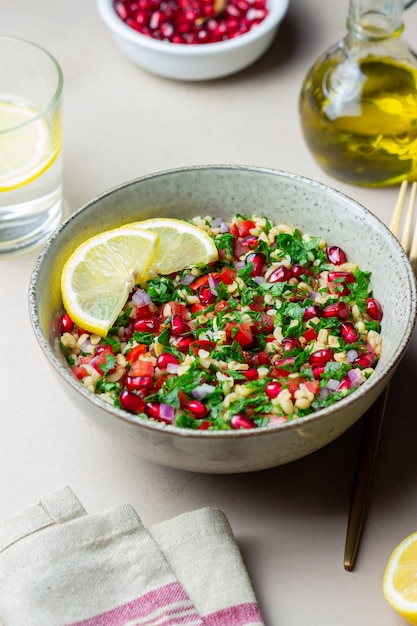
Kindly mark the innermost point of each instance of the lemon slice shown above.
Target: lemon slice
(400, 579)
(27, 150)
(181, 245)
(97, 278)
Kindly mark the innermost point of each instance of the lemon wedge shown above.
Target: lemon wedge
(99, 275)
(27, 150)
(400, 579)
(181, 245)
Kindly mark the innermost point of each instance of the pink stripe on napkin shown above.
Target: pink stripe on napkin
(165, 606)
(246, 614)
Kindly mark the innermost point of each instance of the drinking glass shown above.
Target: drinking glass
(31, 202)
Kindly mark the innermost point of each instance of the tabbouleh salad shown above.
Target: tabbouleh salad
(282, 325)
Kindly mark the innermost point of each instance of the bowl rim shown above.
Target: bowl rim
(277, 11)
(322, 414)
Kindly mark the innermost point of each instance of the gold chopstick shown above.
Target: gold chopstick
(363, 478)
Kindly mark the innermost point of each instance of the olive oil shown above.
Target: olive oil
(360, 122)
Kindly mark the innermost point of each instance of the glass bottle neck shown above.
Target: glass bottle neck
(375, 19)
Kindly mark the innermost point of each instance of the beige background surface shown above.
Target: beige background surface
(120, 123)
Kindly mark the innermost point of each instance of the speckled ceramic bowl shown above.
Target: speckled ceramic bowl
(183, 193)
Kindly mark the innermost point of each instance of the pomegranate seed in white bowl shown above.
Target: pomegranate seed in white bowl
(172, 39)
(221, 191)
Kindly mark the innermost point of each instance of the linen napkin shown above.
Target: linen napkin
(60, 566)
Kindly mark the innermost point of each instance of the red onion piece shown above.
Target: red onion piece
(220, 223)
(166, 411)
(141, 298)
(187, 279)
(351, 355)
(202, 390)
(332, 384)
(172, 368)
(213, 283)
(355, 377)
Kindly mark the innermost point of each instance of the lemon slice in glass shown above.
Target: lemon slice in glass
(400, 579)
(181, 245)
(97, 278)
(26, 149)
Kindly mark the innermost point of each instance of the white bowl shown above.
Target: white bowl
(224, 190)
(194, 61)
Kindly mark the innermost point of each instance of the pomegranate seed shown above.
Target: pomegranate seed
(336, 309)
(321, 357)
(336, 255)
(143, 312)
(66, 324)
(153, 409)
(206, 296)
(183, 343)
(197, 408)
(290, 343)
(344, 384)
(178, 326)
(150, 325)
(250, 241)
(121, 10)
(166, 358)
(251, 374)
(166, 30)
(346, 277)
(367, 359)
(280, 275)
(241, 421)
(258, 260)
(273, 389)
(318, 371)
(289, 360)
(297, 271)
(138, 383)
(374, 309)
(311, 311)
(131, 401)
(141, 19)
(348, 332)
(204, 426)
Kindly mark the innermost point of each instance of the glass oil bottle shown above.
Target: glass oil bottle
(358, 103)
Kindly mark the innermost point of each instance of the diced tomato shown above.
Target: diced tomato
(79, 371)
(144, 312)
(264, 325)
(257, 305)
(141, 367)
(245, 227)
(280, 372)
(201, 344)
(100, 359)
(310, 334)
(312, 386)
(241, 333)
(222, 305)
(173, 308)
(226, 276)
(202, 281)
(260, 358)
(183, 398)
(136, 351)
(196, 308)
